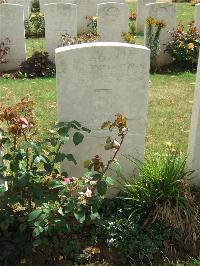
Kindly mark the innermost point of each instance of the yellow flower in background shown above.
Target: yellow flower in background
(190, 45)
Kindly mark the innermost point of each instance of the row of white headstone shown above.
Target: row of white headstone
(61, 18)
(84, 8)
(97, 80)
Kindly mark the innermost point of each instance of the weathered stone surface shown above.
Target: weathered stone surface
(26, 5)
(166, 12)
(141, 14)
(46, 2)
(108, 1)
(12, 27)
(197, 16)
(112, 21)
(60, 19)
(194, 136)
(94, 82)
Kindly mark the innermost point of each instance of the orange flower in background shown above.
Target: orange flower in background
(191, 45)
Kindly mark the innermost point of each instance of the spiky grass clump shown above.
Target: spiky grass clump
(162, 193)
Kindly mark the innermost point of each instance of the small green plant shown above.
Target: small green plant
(153, 30)
(38, 65)
(162, 193)
(132, 19)
(128, 37)
(184, 47)
(92, 24)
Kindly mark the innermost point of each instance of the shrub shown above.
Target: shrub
(35, 6)
(162, 193)
(184, 47)
(35, 25)
(133, 240)
(38, 65)
(42, 206)
(153, 30)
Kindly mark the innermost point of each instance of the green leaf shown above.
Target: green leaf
(106, 124)
(37, 231)
(94, 216)
(22, 227)
(109, 181)
(78, 138)
(60, 211)
(86, 129)
(34, 215)
(80, 216)
(48, 167)
(70, 158)
(117, 168)
(7, 157)
(54, 184)
(88, 164)
(102, 187)
(97, 176)
(59, 157)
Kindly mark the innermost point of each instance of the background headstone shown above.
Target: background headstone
(167, 13)
(85, 8)
(60, 19)
(12, 27)
(26, 5)
(197, 16)
(112, 21)
(46, 2)
(194, 137)
(94, 82)
(141, 14)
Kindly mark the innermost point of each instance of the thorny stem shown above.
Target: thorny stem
(114, 156)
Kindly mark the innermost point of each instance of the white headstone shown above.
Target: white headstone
(12, 27)
(26, 5)
(108, 1)
(46, 2)
(167, 13)
(85, 8)
(194, 136)
(141, 14)
(60, 19)
(197, 16)
(112, 21)
(94, 82)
